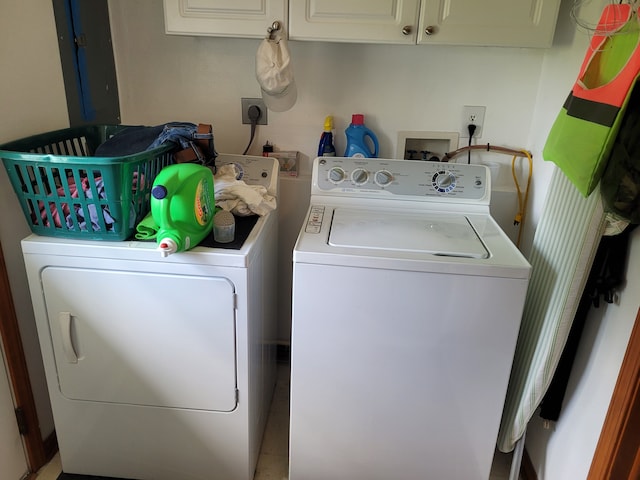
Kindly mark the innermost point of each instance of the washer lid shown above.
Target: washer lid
(426, 232)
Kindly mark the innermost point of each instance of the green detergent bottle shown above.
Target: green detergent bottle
(182, 205)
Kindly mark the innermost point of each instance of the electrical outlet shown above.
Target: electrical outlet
(258, 102)
(475, 116)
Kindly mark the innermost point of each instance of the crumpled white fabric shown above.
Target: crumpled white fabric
(237, 197)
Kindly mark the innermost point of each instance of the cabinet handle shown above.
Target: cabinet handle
(65, 330)
(275, 27)
(430, 30)
(406, 30)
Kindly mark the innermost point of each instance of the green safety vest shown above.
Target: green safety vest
(582, 135)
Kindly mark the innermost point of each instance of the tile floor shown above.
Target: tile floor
(272, 464)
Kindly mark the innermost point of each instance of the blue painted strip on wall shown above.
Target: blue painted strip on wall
(72, 12)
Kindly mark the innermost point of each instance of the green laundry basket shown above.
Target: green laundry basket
(66, 192)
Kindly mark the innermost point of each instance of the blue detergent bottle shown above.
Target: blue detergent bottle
(326, 148)
(360, 139)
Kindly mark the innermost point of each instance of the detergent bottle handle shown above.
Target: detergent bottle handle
(374, 140)
(162, 194)
(165, 214)
(162, 215)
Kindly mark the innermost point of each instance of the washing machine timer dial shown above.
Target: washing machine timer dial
(359, 176)
(383, 178)
(336, 175)
(443, 181)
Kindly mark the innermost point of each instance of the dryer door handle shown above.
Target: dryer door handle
(65, 320)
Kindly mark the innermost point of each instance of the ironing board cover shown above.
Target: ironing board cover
(563, 250)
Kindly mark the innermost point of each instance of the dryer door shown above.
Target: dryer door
(142, 339)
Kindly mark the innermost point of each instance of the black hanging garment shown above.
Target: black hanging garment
(620, 184)
(607, 274)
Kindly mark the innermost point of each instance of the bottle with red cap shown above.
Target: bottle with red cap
(361, 141)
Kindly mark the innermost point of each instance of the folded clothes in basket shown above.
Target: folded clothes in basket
(78, 211)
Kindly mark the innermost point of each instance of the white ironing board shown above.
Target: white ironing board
(564, 247)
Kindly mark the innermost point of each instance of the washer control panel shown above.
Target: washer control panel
(400, 177)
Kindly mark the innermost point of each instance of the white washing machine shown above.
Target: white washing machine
(407, 300)
(160, 368)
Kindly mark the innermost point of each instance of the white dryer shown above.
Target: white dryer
(160, 368)
(407, 300)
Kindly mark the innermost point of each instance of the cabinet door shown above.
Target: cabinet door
(223, 18)
(522, 23)
(366, 21)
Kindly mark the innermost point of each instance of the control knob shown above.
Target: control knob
(359, 176)
(336, 175)
(383, 178)
(444, 181)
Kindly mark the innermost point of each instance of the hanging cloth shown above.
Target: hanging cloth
(582, 135)
(606, 277)
(620, 186)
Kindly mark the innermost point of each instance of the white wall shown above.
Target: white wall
(559, 69)
(165, 77)
(32, 100)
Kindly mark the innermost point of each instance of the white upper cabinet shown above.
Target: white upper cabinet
(223, 18)
(370, 21)
(513, 23)
(509, 23)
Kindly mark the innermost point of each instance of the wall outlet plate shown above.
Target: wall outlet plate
(475, 116)
(425, 145)
(258, 102)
